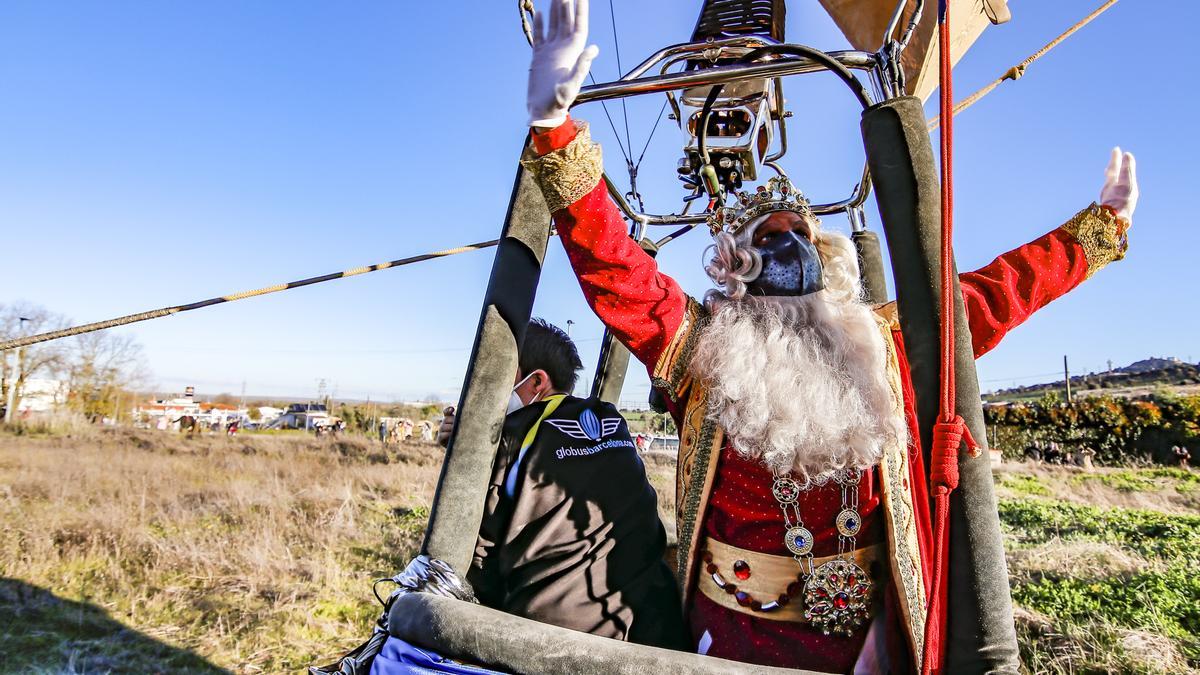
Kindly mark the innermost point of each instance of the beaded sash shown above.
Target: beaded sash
(765, 577)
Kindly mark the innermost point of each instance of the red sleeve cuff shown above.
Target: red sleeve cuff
(554, 139)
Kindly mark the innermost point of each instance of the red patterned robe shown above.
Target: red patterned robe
(727, 497)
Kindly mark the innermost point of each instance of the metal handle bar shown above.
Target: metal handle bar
(890, 33)
(747, 41)
(861, 192)
(655, 84)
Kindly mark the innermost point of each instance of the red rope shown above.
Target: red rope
(947, 148)
(949, 431)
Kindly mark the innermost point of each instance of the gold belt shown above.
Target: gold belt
(769, 578)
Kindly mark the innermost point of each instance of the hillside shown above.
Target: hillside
(1137, 379)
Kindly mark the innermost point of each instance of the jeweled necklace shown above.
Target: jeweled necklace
(837, 593)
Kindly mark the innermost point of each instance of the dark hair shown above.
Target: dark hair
(547, 347)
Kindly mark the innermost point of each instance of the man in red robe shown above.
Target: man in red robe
(804, 534)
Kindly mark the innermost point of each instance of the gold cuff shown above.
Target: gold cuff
(1101, 233)
(567, 174)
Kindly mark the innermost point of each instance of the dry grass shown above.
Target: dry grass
(1074, 558)
(1101, 486)
(254, 553)
(1095, 647)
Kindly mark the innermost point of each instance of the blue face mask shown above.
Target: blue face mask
(790, 266)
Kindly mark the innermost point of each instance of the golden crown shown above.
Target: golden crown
(778, 194)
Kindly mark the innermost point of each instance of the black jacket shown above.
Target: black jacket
(571, 534)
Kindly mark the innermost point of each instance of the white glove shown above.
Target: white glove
(1120, 189)
(560, 62)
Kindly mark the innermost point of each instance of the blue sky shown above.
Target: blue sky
(158, 153)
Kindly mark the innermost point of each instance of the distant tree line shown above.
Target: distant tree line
(1119, 430)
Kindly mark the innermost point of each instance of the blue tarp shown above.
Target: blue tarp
(400, 658)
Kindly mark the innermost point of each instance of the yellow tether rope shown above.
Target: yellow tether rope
(166, 311)
(1018, 70)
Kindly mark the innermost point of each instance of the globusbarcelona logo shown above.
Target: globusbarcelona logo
(588, 427)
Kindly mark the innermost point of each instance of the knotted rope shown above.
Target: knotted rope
(949, 430)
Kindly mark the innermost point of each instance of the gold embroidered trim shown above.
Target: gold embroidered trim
(889, 313)
(898, 509)
(1101, 233)
(671, 372)
(567, 174)
(699, 450)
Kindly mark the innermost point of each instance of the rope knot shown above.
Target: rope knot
(947, 438)
(1015, 72)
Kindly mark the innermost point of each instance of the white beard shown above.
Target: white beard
(800, 383)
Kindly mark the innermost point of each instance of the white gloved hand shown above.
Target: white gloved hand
(560, 62)
(1120, 189)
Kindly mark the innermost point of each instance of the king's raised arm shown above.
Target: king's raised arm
(643, 307)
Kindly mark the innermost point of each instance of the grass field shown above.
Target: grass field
(148, 552)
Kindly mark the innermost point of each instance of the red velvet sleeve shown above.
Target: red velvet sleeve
(1000, 296)
(643, 307)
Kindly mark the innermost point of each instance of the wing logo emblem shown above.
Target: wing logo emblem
(588, 427)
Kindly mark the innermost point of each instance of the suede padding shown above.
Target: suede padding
(467, 468)
(980, 633)
(611, 368)
(870, 267)
(512, 644)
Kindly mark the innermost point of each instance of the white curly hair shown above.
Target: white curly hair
(798, 382)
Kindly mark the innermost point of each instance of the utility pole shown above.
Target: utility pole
(11, 408)
(12, 388)
(569, 324)
(370, 417)
(1067, 378)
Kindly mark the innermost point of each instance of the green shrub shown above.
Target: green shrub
(1023, 485)
(1149, 533)
(1119, 430)
(1166, 602)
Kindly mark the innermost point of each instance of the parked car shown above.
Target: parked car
(663, 444)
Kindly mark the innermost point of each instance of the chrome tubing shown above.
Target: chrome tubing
(895, 21)
(912, 23)
(655, 84)
(641, 220)
(889, 34)
(780, 115)
(632, 84)
(749, 41)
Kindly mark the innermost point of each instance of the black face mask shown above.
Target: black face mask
(790, 266)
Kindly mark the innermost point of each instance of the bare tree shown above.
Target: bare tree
(102, 368)
(20, 319)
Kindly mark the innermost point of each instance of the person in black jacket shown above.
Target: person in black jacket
(571, 534)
